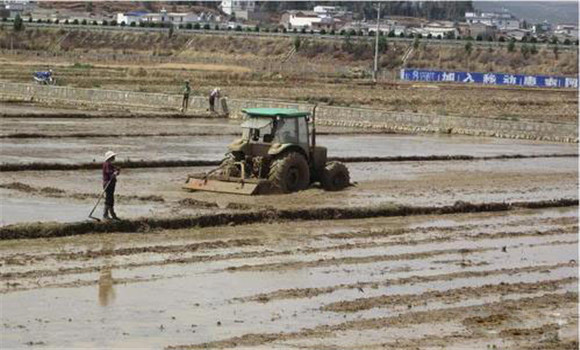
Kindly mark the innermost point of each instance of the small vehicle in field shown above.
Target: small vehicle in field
(44, 78)
(277, 153)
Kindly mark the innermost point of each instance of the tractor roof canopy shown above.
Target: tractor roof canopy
(275, 112)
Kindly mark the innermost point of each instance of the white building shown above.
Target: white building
(501, 20)
(162, 17)
(442, 28)
(15, 7)
(300, 19)
(327, 10)
(238, 8)
(567, 30)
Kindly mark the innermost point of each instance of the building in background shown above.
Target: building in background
(566, 30)
(500, 20)
(295, 19)
(12, 8)
(240, 9)
(163, 16)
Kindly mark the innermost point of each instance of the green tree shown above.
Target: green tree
(468, 47)
(556, 50)
(511, 46)
(383, 44)
(525, 50)
(416, 43)
(297, 43)
(18, 23)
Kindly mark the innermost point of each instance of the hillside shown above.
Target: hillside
(181, 47)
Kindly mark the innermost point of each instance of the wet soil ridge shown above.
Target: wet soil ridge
(447, 295)
(193, 163)
(400, 321)
(297, 293)
(116, 115)
(43, 230)
(89, 135)
(59, 193)
(328, 115)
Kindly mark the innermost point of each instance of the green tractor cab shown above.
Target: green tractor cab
(277, 153)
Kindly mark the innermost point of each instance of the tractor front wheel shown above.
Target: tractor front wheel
(290, 173)
(335, 177)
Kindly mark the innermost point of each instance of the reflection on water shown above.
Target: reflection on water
(106, 290)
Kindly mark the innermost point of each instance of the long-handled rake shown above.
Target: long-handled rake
(99, 201)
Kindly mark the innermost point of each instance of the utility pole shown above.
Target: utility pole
(376, 68)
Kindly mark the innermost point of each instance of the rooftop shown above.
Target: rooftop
(275, 112)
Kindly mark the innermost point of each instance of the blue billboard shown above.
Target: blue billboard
(489, 78)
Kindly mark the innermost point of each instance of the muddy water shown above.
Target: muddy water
(409, 183)
(104, 126)
(15, 210)
(151, 306)
(84, 150)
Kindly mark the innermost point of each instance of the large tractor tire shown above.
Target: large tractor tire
(335, 177)
(228, 168)
(290, 173)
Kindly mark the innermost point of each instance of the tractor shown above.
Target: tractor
(277, 153)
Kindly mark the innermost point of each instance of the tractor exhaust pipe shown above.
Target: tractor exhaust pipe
(314, 126)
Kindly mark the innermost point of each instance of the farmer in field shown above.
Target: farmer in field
(213, 95)
(110, 173)
(186, 92)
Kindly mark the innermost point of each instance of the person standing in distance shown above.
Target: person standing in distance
(110, 173)
(186, 92)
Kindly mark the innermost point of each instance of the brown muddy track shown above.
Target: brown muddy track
(59, 193)
(168, 134)
(443, 296)
(44, 230)
(5, 167)
(297, 293)
(88, 135)
(103, 115)
(399, 321)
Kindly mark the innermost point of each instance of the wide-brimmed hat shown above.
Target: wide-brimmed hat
(109, 155)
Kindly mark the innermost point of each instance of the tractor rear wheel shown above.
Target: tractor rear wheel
(290, 173)
(335, 177)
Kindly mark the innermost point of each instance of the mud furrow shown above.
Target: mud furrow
(450, 295)
(5, 167)
(15, 287)
(162, 134)
(368, 259)
(89, 135)
(188, 260)
(447, 229)
(263, 267)
(60, 193)
(23, 259)
(40, 230)
(109, 115)
(404, 320)
(297, 293)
